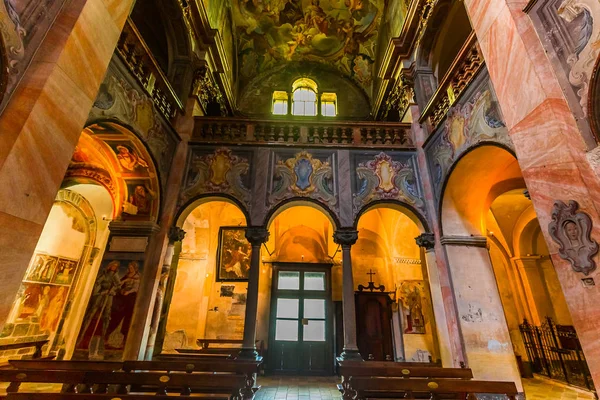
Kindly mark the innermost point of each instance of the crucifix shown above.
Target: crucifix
(371, 273)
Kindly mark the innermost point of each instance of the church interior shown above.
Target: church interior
(299, 199)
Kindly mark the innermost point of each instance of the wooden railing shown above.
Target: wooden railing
(303, 133)
(139, 59)
(461, 73)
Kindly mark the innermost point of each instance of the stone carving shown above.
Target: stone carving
(586, 50)
(345, 237)
(426, 240)
(217, 172)
(257, 235)
(176, 234)
(304, 176)
(384, 178)
(571, 229)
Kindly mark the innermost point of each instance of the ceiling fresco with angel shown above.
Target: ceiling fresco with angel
(342, 33)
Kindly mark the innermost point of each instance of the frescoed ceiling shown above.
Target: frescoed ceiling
(339, 33)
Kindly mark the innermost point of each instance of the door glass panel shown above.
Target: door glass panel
(286, 330)
(287, 308)
(314, 331)
(314, 308)
(289, 280)
(314, 281)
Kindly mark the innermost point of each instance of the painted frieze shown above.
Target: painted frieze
(385, 176)
(474, 119)
(218, 170)
(303, 174)
(120, 99)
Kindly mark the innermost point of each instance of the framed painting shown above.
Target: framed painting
(233, 254)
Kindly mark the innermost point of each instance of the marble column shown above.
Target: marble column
(176, 234)
(427, 242)
(550, 148)
(48, 110)
(256, 235)
(488, 347)
(346, 238)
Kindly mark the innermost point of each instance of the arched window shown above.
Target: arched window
(304, 98)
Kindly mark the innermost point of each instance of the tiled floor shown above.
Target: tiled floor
(324, 388)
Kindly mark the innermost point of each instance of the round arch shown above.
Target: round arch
(411, 212)
(301, 201)
(113, 156)
(478, 176)
(196, 201)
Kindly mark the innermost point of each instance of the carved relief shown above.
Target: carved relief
(221, 171)
(303, 175)
(208, 93)
(571, 229)
(401, 96)
(384, 178)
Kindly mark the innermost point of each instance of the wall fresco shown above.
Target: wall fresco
(474, 119)
(219, 170)
(334, 32)
(303, 174)
(385, 176)
(121, 99)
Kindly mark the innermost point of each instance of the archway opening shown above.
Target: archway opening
(209, 293)
(386, 254)
(499, 262)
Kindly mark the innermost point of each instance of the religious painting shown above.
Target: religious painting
(140, 198)
(42, 305)
(108, 316)
(412, 296)
(233, 255)
(340, 33)
(42, 268)
(129, 158)
(65, 271)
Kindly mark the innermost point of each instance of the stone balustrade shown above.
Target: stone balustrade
(369, 134)
(139, 59)
(463, 70)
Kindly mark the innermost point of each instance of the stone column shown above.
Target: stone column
(176, 234)
(48, 110)
(427, 242)
(346, 238)
(256, 235)
(487, 344)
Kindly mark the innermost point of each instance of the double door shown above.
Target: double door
(300, 340)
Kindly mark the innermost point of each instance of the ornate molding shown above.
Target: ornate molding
(409, 261)
(401, 96)
(133, 228)
(467, 241)
(176, 234)
(426, 240)
(572, 229)
(207, 91)
(345, 237)
(257, 235)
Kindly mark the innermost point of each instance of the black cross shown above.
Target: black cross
(371, 273)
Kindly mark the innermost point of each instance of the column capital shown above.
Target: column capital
(467, 241)
(345, 237)
(176, 234)
(257, 235)
(426, 240)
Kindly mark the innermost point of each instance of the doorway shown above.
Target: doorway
(301, 329)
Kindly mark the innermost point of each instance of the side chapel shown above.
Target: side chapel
(305, 180)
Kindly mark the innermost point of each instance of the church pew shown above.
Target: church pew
(67, 365)
(98, 396)
(91, 383)
(418, 388)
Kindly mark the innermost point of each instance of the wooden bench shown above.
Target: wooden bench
(419, 388)
(206, 378)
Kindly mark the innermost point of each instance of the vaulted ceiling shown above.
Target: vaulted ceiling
(337, 34)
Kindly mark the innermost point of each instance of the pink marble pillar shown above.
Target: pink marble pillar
(548, 144)
(443, 275)
(139, 333)
(42, 123)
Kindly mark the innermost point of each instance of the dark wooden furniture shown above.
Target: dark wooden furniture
(374, 326)
(218, 379)
(372, 379)
(98, 396)
(205, 343)
(419, 388)
(37, 344)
